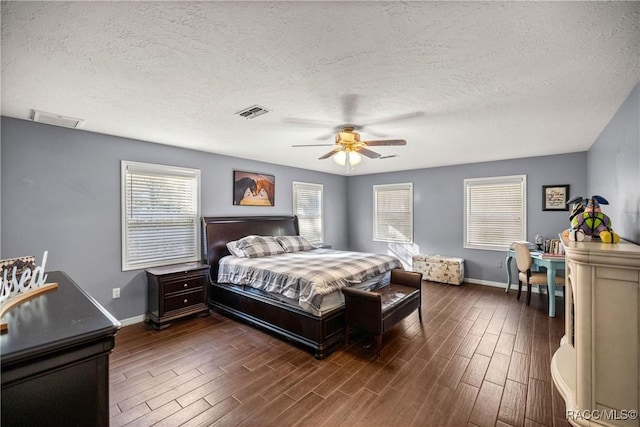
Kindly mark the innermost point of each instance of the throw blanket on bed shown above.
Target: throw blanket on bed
(305, 276)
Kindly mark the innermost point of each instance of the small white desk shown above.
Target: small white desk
(551, 264)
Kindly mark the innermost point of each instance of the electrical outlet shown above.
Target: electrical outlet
(498, 264)
(116, 292)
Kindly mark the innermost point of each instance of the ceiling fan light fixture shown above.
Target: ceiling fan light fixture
(349, 149)
(354, 158)
(347, 157)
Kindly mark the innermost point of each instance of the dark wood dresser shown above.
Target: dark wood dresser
(55, 359)
(176, 291)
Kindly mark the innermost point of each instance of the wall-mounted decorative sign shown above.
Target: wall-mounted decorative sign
(253, 189)
(555, 197)
(21, 280)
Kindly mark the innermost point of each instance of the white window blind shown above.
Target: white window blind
(160, 214)
(495, 212)
(307, 205)
(393, 213)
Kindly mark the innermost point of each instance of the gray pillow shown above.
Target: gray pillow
(233, 248)
(294, 243)
(259, 246)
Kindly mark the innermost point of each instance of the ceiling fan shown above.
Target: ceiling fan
(349, 148)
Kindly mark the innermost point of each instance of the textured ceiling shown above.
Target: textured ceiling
(460, 81)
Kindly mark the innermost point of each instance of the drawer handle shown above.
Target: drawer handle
(186, 285)
(185, 300)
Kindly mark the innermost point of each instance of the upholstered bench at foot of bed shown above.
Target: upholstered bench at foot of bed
(379, 310)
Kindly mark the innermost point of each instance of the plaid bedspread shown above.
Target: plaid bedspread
(305, 276)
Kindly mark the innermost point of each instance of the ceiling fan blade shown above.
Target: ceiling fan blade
(325, 136)
(388, 157)
(313, 145)
(386, 142)
(308, 122)
(349, 102)
(397, 118)
(373, 132)
(370, 154)
(330, 153)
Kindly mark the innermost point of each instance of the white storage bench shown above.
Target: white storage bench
(439, 268)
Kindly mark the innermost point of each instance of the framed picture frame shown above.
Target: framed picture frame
(555, 197)
(253, 189)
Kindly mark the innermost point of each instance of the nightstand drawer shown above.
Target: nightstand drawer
(184, 284)
(181, 301)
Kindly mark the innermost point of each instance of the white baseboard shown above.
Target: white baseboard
(534, 289)
(514, 286)
(132, 320)
(488, 283)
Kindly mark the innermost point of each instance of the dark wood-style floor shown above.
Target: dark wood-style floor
(479, 358)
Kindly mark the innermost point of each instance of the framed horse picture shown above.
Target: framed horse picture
(253, 189)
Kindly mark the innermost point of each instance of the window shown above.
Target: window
(307, 205)
(393, 213)
(160, 214)
(494, 212)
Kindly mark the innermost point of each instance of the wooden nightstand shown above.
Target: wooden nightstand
(176, 291)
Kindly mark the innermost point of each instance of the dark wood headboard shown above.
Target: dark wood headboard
(218, 231)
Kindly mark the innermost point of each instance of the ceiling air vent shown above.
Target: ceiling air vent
(252, 112)
(56, 120)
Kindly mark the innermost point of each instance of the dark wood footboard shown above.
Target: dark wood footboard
(320, 334)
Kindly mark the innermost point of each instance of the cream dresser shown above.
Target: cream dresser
(596, 369)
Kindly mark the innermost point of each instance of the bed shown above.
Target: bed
(317, 322)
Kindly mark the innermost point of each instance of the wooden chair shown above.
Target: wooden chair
(523, 261)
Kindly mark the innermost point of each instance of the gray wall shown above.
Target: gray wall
(611, 168)
(613, 163)
(439, 208)
(61, 193)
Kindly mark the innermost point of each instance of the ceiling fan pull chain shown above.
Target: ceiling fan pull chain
(348, 162)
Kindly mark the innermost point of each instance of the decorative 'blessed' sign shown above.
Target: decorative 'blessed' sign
(21, 281)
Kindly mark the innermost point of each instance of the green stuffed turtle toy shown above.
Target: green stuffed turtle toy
(587, 219)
